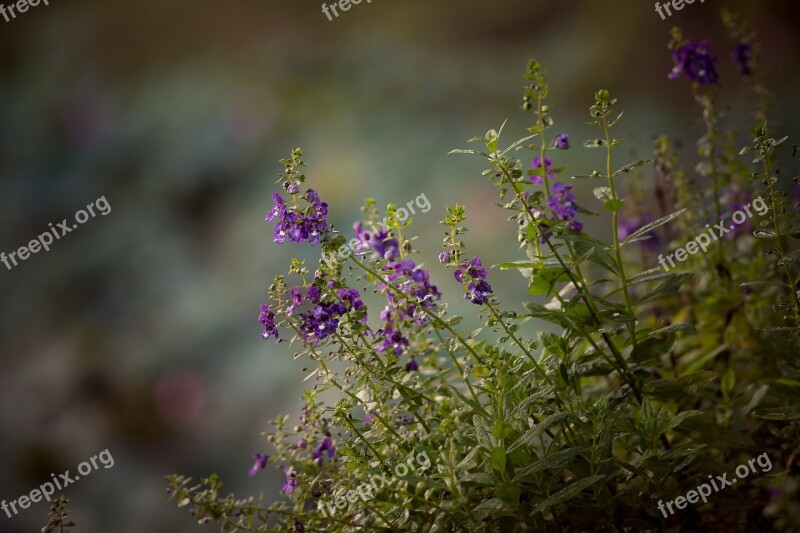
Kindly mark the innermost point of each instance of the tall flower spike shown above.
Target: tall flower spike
(267, 319)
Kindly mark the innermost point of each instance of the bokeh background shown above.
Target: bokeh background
(137, 332)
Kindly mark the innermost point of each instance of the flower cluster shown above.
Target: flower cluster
(562, 203)
(323, 319)
(472, 272)
(382, 243)
(415, 289)
(693, 59)
(299, 225)
(267, 319)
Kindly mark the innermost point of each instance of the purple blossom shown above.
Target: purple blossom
(369, 417)
(412, 365)
(537, 164)
(693, 59)
(415, 290)
(393, 341)
(297, 224)
(478, 289)
(291, 480)
(302, 444)
(381, 242)
(325, 446)
(562, 141)
(260, 464)
(742, 54)
(562, 203)
(444, 258)
(298, 525)
(323, 319)
(267, 319)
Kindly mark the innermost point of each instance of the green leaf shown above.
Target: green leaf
(787, 412)
(652, 225)
(543, 280)
(602, 193)
(498, 458)
(532, 433)
(594, 143)
(670, 286)
(727, 383)
(631, 166)
(672, 329)
(490, 507)
(613, 205)
(679, 387)
(567, 492)
(549, 462)
(509, 492)
(467, 152)
(501, 430)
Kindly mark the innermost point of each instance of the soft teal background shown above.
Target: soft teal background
(138, 331)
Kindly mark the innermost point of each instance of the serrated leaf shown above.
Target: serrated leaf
(497, 460)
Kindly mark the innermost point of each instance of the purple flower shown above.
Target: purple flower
(393, 341)
(323, 320)
(412, 365)
(478, 289)
(562, 203)
(260, 464)
(537, 164)
(302, 444)
(477, 293)
(562, 141)
(693, 59)
(291, 480)
(298, 525)
(297, 224)
(415, 290)
(369, 417)
(267, 319)
(325, 446)
(444, 258)
(742, 55)
(382, 243)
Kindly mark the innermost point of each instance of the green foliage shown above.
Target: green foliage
(655, 380)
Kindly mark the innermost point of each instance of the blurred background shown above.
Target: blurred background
(137, 332)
